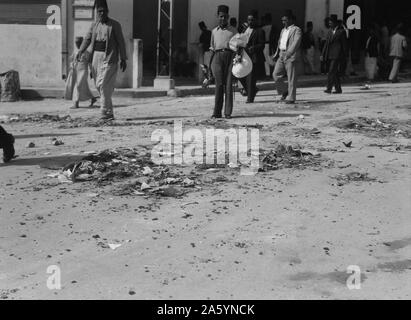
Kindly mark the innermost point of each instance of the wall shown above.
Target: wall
(206, 11)
(277, 9)
(318, 10)
(34, 51)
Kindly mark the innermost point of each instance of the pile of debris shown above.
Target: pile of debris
(343, 179)
(38, 117)
(377, 127)
(142, 176)
(285, 157)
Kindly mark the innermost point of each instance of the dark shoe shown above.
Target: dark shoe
(8, 149)
(328, 91)
(284, 96)
(337, 92)
(244, 92)
(228, 117)
(107, 118)
(216, 117)
(290, 102)
(249, 101)
(93, 101)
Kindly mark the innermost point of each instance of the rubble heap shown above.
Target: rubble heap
(379, 127)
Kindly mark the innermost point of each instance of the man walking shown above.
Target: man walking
(268, 27)
(255, 49)
(397, 52)
(287, 55)
(309, 46)
(107, 44)
(335, 52)
(222, 64)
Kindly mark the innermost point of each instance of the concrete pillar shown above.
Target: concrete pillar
(164, 83)
(137, 63)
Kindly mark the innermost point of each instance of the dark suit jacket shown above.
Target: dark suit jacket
(336, 46)
(115, 46)
(255, 46)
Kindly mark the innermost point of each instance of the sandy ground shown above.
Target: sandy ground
(285, 234)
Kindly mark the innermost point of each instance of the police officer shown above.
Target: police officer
(222, 64)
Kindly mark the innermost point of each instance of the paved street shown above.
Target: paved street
(286, 233)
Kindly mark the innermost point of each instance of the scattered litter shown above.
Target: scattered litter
(378, 127)
(92, 195)
(56, 142)
(343, 179)
(287, 157)
(129, 172)
(147, 171)
(64, 179)
(114, 246)
(145, 187)
(31, 145)
(348, 144)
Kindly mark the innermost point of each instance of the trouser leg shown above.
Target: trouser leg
(395, 69)
(292, 81)
(218, 72)
(278, 75)
(228, 76)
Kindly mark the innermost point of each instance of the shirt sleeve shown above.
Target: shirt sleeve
(121, 42)
(212, 45)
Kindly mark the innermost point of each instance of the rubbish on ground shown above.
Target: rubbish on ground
(379, 127)
(343, 179)
(287, 157)
(57, 142)
(114, 246)
(31, 145)
(348, 144)
(129, 172)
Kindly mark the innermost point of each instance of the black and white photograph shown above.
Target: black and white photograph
(205, 150)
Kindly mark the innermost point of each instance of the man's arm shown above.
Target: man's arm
(344, 44)
(86, 42)
(118, 32)
(212, 46)
(296, 43)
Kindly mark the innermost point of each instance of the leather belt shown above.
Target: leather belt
(100, 46)
(223, 50)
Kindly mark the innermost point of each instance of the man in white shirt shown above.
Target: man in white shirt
(287, 55)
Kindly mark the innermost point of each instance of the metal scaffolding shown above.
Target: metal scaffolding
(165, 38)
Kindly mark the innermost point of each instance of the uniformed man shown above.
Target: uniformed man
(222, 64)
(107, 45)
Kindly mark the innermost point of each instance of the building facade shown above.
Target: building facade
(37, 36)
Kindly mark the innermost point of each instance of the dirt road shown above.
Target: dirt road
(289, 233)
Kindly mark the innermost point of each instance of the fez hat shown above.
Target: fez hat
(79, 39)
(223, 9)
(100, 4)
(202, 24)
(253, 13)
